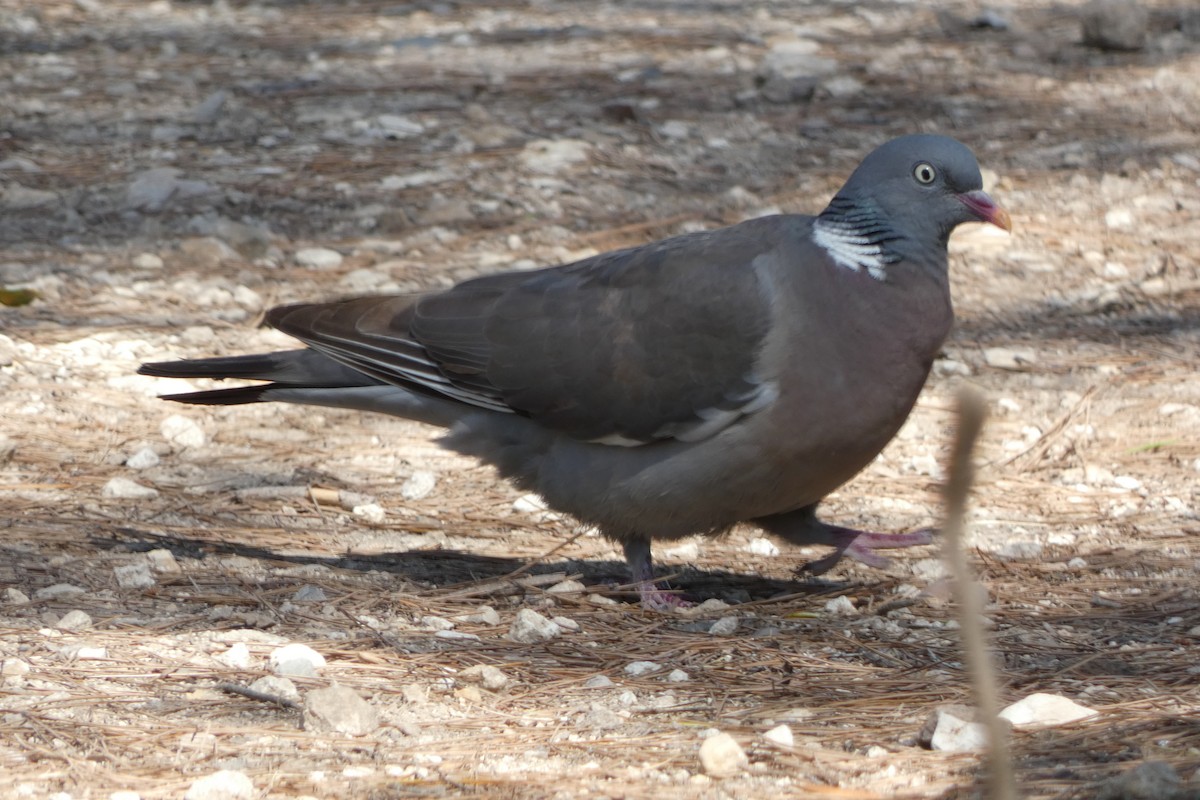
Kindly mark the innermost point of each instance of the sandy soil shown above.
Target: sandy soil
(165, 169)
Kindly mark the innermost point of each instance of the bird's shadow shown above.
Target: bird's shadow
(447, 570)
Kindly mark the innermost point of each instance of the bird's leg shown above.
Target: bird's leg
(641, 568)
(802, 527)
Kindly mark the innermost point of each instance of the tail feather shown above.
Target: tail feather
(291, 367)
(239, 395)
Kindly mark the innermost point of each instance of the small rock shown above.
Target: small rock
(567, 587)
(720, 755)
(531, 627)
(638, 668)
(210, 107)
(182, 432)
(8, 447)
(1152, 780)
(1119, 219)
(296, 659)
(126, 489)
(163, 562)
(309, 594)
(152, 189)
(484, 615)
(318, 258)
(75, 620)
(548, 156)
(1127, 482)
(761, 546)
(1045, 709)
(134, 576)
(566, 623)
(204, 252)
(725, 626)
(875, 751)
(15, 596)
(1009, 357)
(59, 591)
(678, 676)
(780, 734)
(485, 674)
(687, 551)
(227, 784)
(236, 657)
(147, 261)
(143, 459)
(418, 486)
(1077, 563)
(339, 710)
(370, 512)
(457, 635)
(15, 197)
(1115, 25)
(435, 623)
(841, 606)
(602, 718)
(598, 682)
(86, 653)
(277, 687)
(951, 730)
(1014, 549)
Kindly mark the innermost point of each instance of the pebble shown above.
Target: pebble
(484, 615)
(418, 486)
(236, 657)
(530, 627)
(947, 730)
(1041, 709)
(227, 784)
(296, 659)
(370, 512)
(725, 626)
(75, 620)
(151, 190)
(457, 635)
(566, 587)
(277, 687)
(143, 459)
(687, 551)
(339, 709)
(566, 623)
(15, 596)
(182, 432)
(548, 156)
(678, 676)
(1077, 563)
(16, 197)
(147, 261)
(59, 591)
(841, 606)
(486, 675)
(8, 448)
(638, 668)
(126, 489)
(1115, 25)
(761, 546)
(720, 755)
(1009, 357)
(1127, 482)
(134, 576)
(86, 653)
(210, 107)
(602, 718)
(309, 594)
(780, 734)
(435, 623)
(318, 258)
(163, 562)
(1119, 219)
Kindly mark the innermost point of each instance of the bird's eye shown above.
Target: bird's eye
(924, 173)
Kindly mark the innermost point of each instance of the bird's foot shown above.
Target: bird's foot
(861, 546)
(657, 598)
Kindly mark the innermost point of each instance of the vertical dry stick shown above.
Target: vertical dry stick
(971, 413)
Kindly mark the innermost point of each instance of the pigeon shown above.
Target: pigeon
(736, 375)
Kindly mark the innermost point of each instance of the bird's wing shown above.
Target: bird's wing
(630, 347)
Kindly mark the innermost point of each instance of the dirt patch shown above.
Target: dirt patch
(164, 165)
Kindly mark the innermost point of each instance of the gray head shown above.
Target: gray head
(909, 194)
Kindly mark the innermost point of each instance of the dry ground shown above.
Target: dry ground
(412, 138)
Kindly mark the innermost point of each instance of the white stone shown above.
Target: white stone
(75, 620)
(566, 587)
(1009, 357)
(761, 546)
(780, 734)
(566, 624)
(690, 551)
(227, 784)
(954, 735)
(339, 709)
(318, 258)
(485, 674)
(598, 682)
(1119, 219)
(1127, 482)
(548, 156)
(147, 261)
(725, 626)
(163, 562)
(296, 659)
(135, 575)
(841, 606)
(678, 676)
(720, 754)
(182, 432)
(530, 627)
(371, 512)
(418, 486)
(143, 459)
(58, 591)
(1045, 709)
(639, 668)
(125, 489)
(236, 657)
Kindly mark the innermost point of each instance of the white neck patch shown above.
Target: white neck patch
(850, 249)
